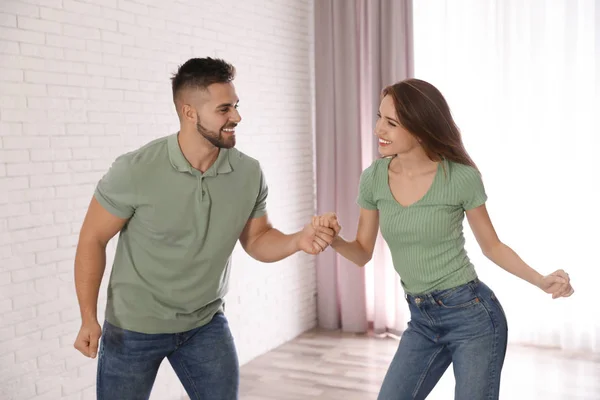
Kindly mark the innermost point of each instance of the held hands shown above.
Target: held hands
(314, 239)
(328, 220)
(557, 284)
(319, 234)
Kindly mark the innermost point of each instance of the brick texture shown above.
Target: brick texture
(83, 81)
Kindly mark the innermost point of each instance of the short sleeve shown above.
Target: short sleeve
(365, 189)
(116, 190)
(260, 207)
(473, 190)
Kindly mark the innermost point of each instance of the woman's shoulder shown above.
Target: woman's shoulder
(375, 175)
(465, 182)
(459, 172)
(378, 166)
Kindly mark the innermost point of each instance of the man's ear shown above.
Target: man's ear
(188, 113)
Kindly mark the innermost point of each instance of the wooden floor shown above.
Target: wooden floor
(328, 366)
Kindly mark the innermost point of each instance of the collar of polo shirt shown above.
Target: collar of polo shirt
(179, 162)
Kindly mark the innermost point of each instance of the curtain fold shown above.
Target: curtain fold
(360, 47)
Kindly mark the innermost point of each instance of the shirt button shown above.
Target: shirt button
(203, 192)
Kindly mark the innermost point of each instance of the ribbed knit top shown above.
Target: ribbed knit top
(426, 239)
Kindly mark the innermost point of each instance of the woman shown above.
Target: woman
(418, 194)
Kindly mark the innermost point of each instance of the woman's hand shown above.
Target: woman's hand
(558, 284)
(327, 220)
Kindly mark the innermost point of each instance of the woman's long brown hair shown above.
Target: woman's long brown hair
(424, 112)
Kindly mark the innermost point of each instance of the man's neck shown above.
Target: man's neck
(199, 152)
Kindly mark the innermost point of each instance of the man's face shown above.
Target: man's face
(217, 115)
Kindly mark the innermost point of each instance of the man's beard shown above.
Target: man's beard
(217, 139)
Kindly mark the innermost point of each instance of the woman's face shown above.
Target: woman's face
(393, 137)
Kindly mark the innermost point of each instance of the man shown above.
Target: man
(180, 204)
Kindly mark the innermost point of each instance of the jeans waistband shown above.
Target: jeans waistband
(432, 296)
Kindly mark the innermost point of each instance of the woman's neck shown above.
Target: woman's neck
(413, 163)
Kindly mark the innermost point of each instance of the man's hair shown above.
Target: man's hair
(199, 73)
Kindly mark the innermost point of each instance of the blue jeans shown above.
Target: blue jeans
(204, 359)
(465, 326)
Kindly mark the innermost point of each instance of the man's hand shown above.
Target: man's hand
(87, 339)
(328, 220)
(313, 240)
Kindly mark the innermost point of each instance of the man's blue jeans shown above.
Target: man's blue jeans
(204, 359)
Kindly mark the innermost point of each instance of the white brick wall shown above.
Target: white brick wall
(84, 81)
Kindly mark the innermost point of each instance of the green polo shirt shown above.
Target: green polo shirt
(173, 257)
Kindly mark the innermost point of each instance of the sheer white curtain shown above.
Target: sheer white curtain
(523, 80)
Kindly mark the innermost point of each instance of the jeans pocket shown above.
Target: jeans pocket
(498, 304)
(460, 297)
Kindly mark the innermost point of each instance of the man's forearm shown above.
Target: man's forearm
(90, 262)
(272, 246)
